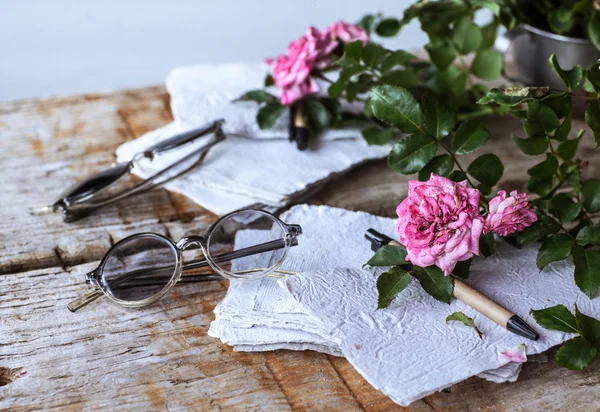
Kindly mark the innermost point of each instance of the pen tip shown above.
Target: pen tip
(518, 326)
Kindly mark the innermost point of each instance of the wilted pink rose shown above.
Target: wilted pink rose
(509, 214)
(439, 222)
(347, 33)
(292, 70)
(518, 354)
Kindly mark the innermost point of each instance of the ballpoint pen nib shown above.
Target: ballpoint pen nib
(517, 325)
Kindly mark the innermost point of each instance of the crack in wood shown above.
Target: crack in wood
(345, 383)
(9, 375)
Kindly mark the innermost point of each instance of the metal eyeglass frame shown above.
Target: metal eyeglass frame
(86, 197)
(95, 276)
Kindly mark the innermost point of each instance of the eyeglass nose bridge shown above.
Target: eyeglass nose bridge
(188, 241)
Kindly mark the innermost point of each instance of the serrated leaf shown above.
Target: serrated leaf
(259, 96)
(438, 118)
(592, 118)
(487, 169)
(487, 65)
(544, 169)
(567, 149)
(555, 248)
(563, 207)
(562, 133)
(587, 270)
(571, 78)
(589, 235)
(441, 54)
(470, 136)
(576, 354)
(377, 136)
(388, 27)
(467, 35)
(556, 318)
(396, 58)
(435, 283)
(588, 327)
(412, 153)
(388, 255)
(591, 195)
(390, 284)
(465, 320)
(535, 145)
(514, 95)
(397, 107)
(372, 53)
(268, 114)
(402, 77)
(441, 165)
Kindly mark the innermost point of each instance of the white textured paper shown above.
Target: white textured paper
(407, 351)
(203, 93)
(241, 172)
(331, 237)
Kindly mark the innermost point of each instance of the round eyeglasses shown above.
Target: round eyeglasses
(142, 268)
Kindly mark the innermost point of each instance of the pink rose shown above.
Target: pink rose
(509, 214)
(439, 222)
(292, 70)
(347, 33)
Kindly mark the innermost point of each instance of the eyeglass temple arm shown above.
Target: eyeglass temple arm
(88, 205)
(261, 248)
(181, 139)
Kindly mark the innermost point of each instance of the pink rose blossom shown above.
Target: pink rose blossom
(292, 70)
(439, 222)
(518, 354)
(347, 33)
(509, 214)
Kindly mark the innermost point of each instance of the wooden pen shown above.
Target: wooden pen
(469, 296)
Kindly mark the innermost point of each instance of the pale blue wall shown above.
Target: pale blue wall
(50, 47)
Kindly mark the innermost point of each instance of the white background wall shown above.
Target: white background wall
(57, 47)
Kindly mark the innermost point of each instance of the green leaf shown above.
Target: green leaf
(576, 354)
(441, 165)
(543, 227)
(259, 96)
(592, 118)
(555, 248)
(556, 318)
(336, 88)
(470, 136)
(487, 169)
(535, 145)
(390, 284)
(562, 133)
(397, 107)
(571, 78)
(487, 244)
(588, 327)
(514, 95)
(488, 34)
(315, 114)
(461, 270)
(594, 29)
(560, 103)
(377, 136)
(543, 116)
(541, 187)
(388, 255)
(435, 283)
(402, 78)
(561, 20)
(587, 270)
(544, 169)
(269, 81)
(564, 208)
(366, 22)
(268, 114)
(412, 153)
(487, 65)
(457, 176)
(467, 35)
(592, 74)
(451, 80)
(441, 54)
(567, 149)
(353, 52)
(372, 53)
(589, 235)
(438, 118)
(591, 195)
(396, 58)
(388, 27)
(465, 320)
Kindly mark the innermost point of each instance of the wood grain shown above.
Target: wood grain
(160, 357)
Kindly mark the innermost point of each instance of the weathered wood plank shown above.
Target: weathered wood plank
(160, 357)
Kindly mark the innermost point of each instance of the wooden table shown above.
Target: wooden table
(161, 357)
